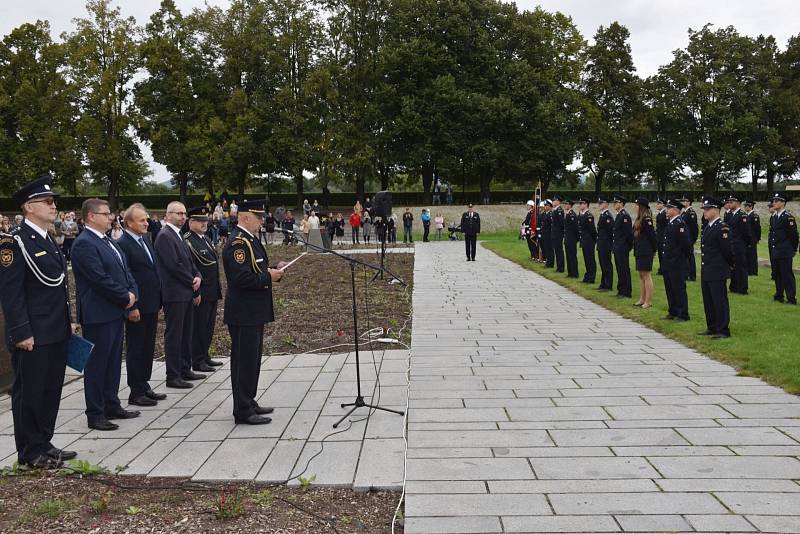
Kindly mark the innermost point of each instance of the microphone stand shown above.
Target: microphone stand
(359, 400)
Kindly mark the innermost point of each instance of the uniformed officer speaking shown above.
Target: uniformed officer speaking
(34, 295)
(205, 313)
(248, 307)
(716, 261)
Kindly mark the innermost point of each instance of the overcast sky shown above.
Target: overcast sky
(657, 26)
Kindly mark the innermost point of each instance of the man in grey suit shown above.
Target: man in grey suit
(180, 290)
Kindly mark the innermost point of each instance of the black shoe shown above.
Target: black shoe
(103, 424)
(44, 462)
(720, 336)
(624, 296)
(793, 301)
(191, 375)
(142, 400)
(155, 396)
(603, 289)
(213, 363)
(179, 384)
(263, 410)
(253, 420)
(669, 317)
(776, 298)
(682, 319)
(204, 367)
(706, 333)
(60, 454)
(122, 413)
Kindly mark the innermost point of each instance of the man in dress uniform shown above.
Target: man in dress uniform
(772, 267)
(530, 237)
(180, 292)
(471, 227)
(623, 244)
(661, 227)
(677, 248)
(571, 238)
(35, 299)
(142, 323)
(739, 226)
(248, 307)
(105, 291)
(557, 233)
(205, 313)
(588, 236)
(690, 220)
(716, 259)
(605, 245)
(782, 245)
(754, 222)
(546, 236)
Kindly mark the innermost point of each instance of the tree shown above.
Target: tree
(37, 111)
(611, 88)
(103, 59)
(171, 113)
(787, 104)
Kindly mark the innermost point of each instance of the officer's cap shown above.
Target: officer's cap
(732, 197)
(779, 196)
(583, 200)
(547, 202)
(711, 202)
(39, 188)
(569, 201)
(642, 201)
(600, 200)
(253, 206)
(619, 198)
(686, 197)
(660, 200)
(749, 203)
(531, 203)
(199, 213)
(673, 203)
(558, 197)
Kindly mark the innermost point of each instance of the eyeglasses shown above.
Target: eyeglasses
(177, 212)
(50, 201)
(106, 213)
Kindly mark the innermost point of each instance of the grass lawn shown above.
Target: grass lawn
(765, 338)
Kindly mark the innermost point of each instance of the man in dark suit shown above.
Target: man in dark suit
(690, 220)
(739, 226)
(142, 323)
(571, 237)
(783, 243)
(248, 307)
(588, 235)
(180, 291)
(471, 226)
(105, 291)
(546, 232)
(557, 233)
(605, 245)
(35, 300)
(677, 249)
(205, 313)
(623, 243)
(754, 222)
(716, 253)
(661, 227)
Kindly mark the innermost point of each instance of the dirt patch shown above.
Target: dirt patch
(48, 502)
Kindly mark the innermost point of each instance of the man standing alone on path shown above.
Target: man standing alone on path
(716, 259)
(180, 291)
(471, 227)
(104, 290)
(557, 233)
(623, 243)
(142, 323)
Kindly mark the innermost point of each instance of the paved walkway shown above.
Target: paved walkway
(534, 410)
(192, 433)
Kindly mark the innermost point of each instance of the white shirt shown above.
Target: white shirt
(42, 233)
(245, 230)
(177, 230)
(779, 213)
(712, 222)
(104, 237)
(140, 239)
(672, 219)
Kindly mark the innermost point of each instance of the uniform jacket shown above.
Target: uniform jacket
(690, 219)
(144, 271)
(661, 226)
(716, 252)
(623, 232)
(588, 232)
(605, 227)
(647, 243)
(175, 267)
(754, 221)
(31, 308)
(677, 246)
(739, 228)
(557, 223)
(783, 241)
(248, 297)
(471, 225)
(102, 279)
(572, 233)
(205, 260)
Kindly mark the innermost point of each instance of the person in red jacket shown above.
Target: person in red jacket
(355, 224)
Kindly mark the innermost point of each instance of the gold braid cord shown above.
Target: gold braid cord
(199, 257)
(256, 268)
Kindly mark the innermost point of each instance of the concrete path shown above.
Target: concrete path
(192, 433)
(534, 410)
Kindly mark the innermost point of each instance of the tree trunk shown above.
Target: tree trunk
(486, 181)
(709, 181)
(183, 186)
(754, 174)
(770, 180)
(383, 170)
(113, 191)
(427, 182)
(599, 177)
(298, 183)
(360, 186)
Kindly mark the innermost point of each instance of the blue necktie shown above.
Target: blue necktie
(141, 242)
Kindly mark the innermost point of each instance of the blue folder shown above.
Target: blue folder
(78, 351)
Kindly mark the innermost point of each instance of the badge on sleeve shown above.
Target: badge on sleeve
(6, 257)
(239, 256)
(681, 230)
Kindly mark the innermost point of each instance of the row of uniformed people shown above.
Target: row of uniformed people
(121, 287)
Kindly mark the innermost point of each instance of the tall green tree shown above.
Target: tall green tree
(103, 59)
(611, 88)
(170, 112)
(787, 103)
(37, 111)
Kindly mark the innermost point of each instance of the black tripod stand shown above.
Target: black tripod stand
(359, 402)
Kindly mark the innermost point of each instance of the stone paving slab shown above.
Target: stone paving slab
(192, 433)
(535, 410)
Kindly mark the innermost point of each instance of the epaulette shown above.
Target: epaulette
(237, 241)
(186, 235)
